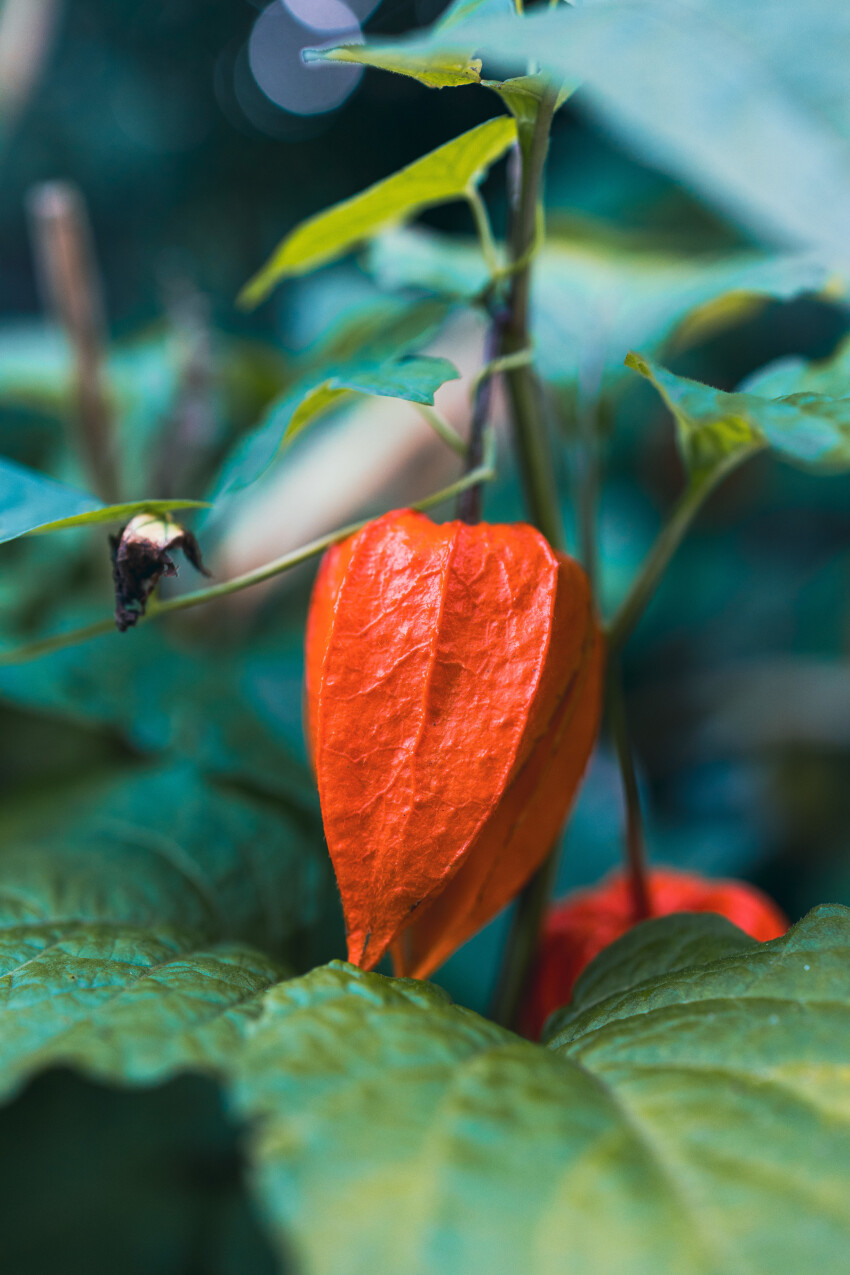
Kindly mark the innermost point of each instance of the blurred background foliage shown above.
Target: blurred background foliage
(738, 691)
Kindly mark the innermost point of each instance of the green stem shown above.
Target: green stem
(442, 428)
(635, 841)
(480, 434)
(485, 233)
(523, 941)
(666, 544)
(505, 363)
(537, 469)
(532, 440)
(484, 473)
(587, 493)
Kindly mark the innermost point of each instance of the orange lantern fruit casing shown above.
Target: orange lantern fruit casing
(582, 924)
(453, 694)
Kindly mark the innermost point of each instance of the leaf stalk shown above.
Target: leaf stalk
(485, 472)
(537, 471)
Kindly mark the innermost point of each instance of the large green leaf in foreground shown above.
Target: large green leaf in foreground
(122, 1004)
(694, 1121)
(125, 915)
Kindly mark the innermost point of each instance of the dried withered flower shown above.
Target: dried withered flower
(141, 557)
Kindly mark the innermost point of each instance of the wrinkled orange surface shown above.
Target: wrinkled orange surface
(581, 925)
(452, 699)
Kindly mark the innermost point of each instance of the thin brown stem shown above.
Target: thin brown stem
(469, 502)
(69, 276)
(587, 493)
(635, 842)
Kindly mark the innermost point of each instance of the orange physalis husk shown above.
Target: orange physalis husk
(581, 925)
(453, 687)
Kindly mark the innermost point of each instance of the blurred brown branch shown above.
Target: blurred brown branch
(27, 28)
(69, 278)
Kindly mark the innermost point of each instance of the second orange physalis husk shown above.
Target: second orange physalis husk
(453, 688)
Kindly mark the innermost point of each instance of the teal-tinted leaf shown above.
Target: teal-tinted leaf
(745, 102)
(123, 1004)
(414, 257)
(693, 1122)
(126, 906)
(162, 846)
(651, 951)
(464, 10)
(238, 715)
(29, 500)
(445, 174)
(386, 329)
(414, 379)
(32, 503)
(596, 293)
(35, 366)
(810, 429)
(828, 377)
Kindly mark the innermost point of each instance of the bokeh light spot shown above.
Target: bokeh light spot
(275, 45)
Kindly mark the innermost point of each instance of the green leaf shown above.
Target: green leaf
(416, 257)
(36, 368)
(30, 503)
(464, 10)
(237, 715)
(123, 1004)
(125, 908)
(693, 1122)
(810, 429)
(522, 96)
(414, 379)
(761, 124)
(446, 174)
(651, 951)
(163, 846)
(435, 70)
(597, 293)
(828, 377)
